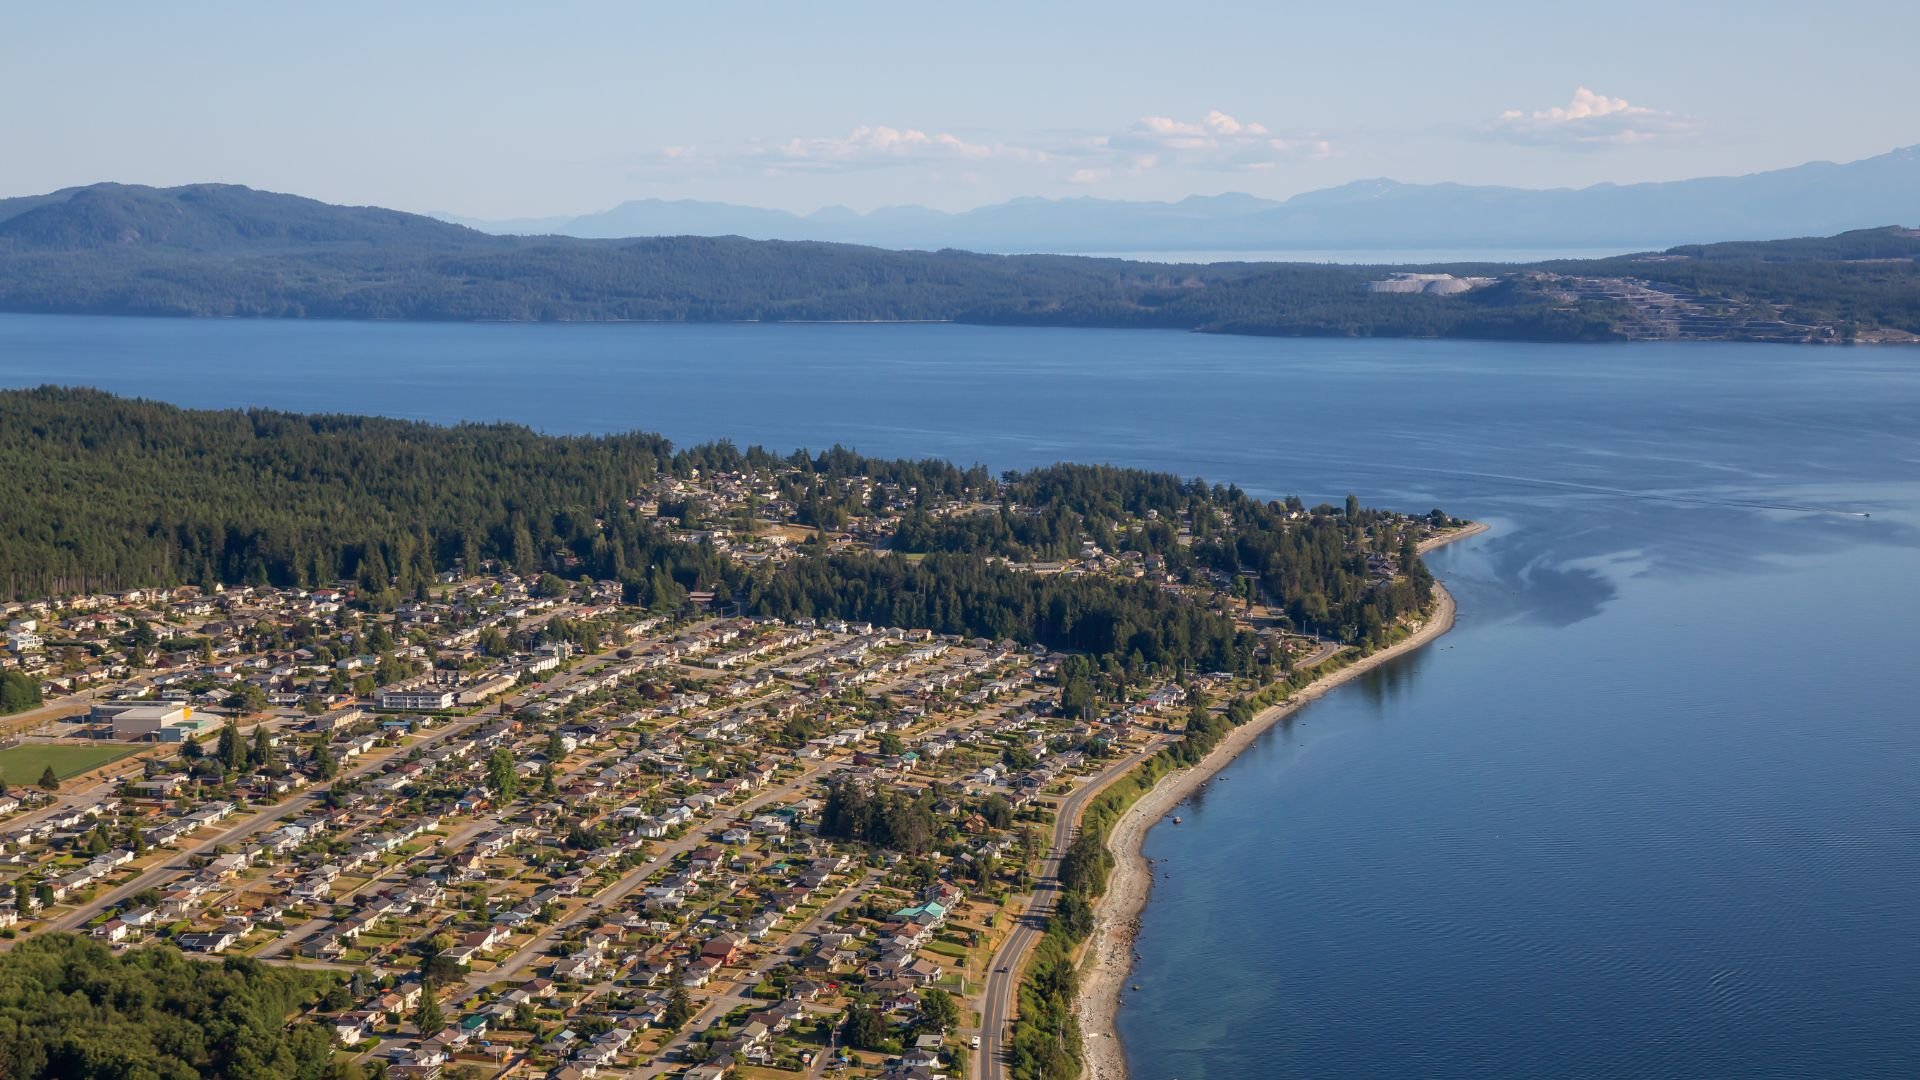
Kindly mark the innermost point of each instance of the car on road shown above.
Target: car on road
(976, 1042)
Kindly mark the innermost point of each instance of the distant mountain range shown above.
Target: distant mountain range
(227, 251)
(1815, 199)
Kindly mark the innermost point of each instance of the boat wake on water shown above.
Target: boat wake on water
(1600, 489)
(1652, 496)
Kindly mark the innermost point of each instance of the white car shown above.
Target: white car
(976, 1042)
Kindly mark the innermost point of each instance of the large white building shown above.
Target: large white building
(166, 721)
(486, 688)
(424, 699)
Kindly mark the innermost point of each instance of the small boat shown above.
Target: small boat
(1136, 986)
(1176, 821)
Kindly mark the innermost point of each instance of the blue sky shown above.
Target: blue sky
(499, 110)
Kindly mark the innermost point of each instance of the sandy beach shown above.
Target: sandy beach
(1118, 912)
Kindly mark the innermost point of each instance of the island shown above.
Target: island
(227, 251)
(444, 751)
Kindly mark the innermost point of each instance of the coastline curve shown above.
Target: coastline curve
(1108, 955)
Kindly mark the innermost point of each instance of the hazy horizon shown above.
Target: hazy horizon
(511, 113)
(1171, 200)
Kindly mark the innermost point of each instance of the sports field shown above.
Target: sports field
(22, 765)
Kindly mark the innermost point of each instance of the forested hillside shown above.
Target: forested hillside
(217, 250)
(108, 493)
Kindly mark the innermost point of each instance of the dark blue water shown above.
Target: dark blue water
(1653, 809)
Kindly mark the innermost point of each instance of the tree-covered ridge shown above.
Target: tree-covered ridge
(209, 218)
(110, 493)
(969, 595)
(1318, 564)
(107, 492)
(1860, 244)
(219, 250)
(71, 1008)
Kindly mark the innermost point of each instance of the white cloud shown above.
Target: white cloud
(880, 145)
(865, 147)
(1591, 121)
(1215, 141)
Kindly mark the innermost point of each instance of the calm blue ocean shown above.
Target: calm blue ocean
(1653, 809)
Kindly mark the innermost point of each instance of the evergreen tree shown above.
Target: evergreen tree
(323, 760)
(938, 1013)
(502, 780)
(18, 692)
(427, 1018)
(866, 1027)
(232, 749)
(679, 1009)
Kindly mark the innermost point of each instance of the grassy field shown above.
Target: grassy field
(23, 764)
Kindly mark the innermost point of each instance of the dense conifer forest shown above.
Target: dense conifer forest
(71, 1007)
(108, 493)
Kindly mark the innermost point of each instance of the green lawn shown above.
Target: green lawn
(23, 764)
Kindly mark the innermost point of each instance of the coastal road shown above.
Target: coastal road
(1003, 979)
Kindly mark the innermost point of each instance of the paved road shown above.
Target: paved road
(607, 898)
(737, 994)
(1003, 978)
(175, 865)
(57, 709)
(69, 800)
(289, 942)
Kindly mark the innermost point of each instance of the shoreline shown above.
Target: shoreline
(1874, 338)
(1117, 912)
